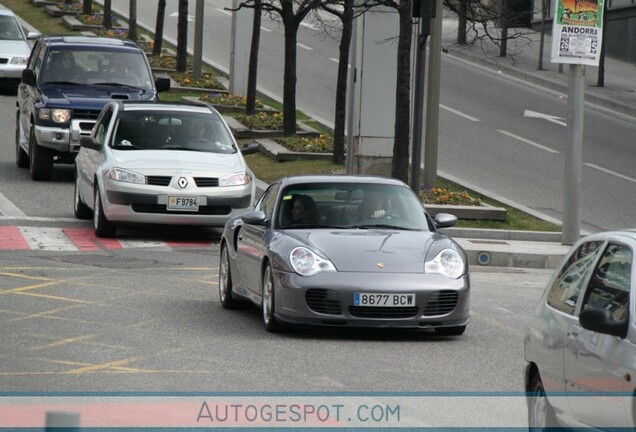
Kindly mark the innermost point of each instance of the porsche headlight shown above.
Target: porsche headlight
(58, 115)
(237, 179)
(122, 175)
(307, 263)
(448, 262)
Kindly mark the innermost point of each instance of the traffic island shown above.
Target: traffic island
(241, 131)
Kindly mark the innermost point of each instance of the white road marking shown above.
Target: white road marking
(304, 47)
(311, 26)
(136, 244)
(176, 15)
(7, 208)
(47, 239)
(548, 117)
(614, 173)
(459, 113)
(335, 60)
(38, 218)
(223, 11)
(527, 141)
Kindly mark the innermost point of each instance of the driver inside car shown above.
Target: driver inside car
(199, 131)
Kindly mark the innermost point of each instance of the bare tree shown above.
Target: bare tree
(182, 37)
(161, 14)
(132, 20)
(345, 11)
(600, 78)
(488, 20)
(252, 73)
(461, 21)
(292, 13)
(87, 7)
(400, 162)
(107, 21)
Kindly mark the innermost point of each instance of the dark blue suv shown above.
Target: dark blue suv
(67, 81)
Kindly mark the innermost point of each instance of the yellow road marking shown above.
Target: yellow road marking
(111, 372)
(51, 297)
(64, 342)
(28, 287)
(23, 276)
(109, 365)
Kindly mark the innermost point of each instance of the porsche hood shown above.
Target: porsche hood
(385, 250)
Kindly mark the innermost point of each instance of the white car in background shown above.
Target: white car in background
(161, 163)
(15, 47)
(580, 345)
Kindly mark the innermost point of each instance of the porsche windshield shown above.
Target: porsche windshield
(359, 206)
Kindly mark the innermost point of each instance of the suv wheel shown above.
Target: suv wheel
(21, 157)
(41, 159)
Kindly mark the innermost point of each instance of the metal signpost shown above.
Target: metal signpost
(577, 33)
(423, 10)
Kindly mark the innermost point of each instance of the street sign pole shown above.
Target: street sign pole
(573, 174)
(577, 35)
(424, 13)
(197, 59)
(432, 98)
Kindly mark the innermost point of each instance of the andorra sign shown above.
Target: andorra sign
(577, 32)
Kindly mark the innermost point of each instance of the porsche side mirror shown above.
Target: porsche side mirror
(445, 220)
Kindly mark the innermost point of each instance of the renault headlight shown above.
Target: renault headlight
(122, 175)
(306, 263)
(238, 179)
(58, 115)
(18, 60)
(448, 262)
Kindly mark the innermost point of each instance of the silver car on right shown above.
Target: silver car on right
(580, 345)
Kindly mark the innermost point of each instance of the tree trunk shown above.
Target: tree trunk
(544, 5)
(461, 22)
(252, 72)
(503, 48)
(87, 7)
(600, 79)
(400, 163)
(182, 37)
(341, 84)
(161, 14)
(289, 76)
(107, 21)
(132, 20)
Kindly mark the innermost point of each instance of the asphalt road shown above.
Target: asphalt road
(146, 320)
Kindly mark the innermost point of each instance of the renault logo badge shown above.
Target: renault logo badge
(183, 183)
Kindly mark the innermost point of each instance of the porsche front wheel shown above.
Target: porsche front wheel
(268, 303)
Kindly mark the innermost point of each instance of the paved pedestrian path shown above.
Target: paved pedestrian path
(15, 238)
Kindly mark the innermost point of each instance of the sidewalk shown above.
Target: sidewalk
(618, 92)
